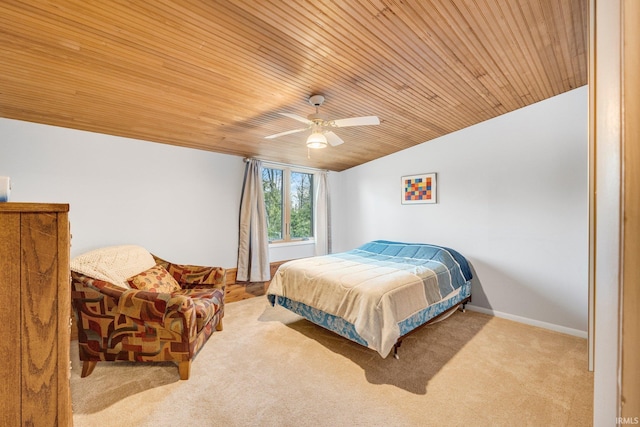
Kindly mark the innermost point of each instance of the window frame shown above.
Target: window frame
(286, 203)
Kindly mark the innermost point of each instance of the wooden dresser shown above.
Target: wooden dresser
(34, 315)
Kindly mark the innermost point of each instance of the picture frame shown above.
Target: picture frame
(417, 189)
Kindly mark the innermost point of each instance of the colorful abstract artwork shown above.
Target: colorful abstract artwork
(419, 189)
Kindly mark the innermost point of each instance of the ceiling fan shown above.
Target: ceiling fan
(320, 126)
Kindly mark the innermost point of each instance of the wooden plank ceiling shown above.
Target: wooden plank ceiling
(213, 75)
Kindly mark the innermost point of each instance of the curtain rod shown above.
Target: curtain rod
(246, 159)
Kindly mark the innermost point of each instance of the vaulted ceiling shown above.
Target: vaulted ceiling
(214, 75)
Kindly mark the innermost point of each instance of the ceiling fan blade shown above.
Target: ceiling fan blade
(333, 139)
(297, 117)
(289, 132)
(356, 121)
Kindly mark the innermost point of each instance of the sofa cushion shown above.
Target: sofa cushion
(155, 279)
(113, 264)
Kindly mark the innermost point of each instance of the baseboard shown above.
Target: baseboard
(230, 275)
(530, 322)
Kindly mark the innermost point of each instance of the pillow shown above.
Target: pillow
(155, 279)
(113, 263)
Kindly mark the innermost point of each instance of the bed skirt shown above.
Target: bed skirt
(346, 329)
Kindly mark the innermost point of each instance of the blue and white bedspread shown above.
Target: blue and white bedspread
(383, 289)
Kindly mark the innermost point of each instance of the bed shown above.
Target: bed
(377, 293)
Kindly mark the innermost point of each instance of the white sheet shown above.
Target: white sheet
(374, 298)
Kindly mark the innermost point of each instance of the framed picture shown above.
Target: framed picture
(419, 189)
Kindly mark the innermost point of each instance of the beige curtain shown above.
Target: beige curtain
(253, 244)
(322, 217)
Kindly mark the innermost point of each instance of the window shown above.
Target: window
(288, 199)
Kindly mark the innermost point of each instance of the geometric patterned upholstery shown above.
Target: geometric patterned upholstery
(118, 323)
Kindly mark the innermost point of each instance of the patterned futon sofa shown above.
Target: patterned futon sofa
(131, 305)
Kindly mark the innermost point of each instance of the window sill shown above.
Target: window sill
(292, 243)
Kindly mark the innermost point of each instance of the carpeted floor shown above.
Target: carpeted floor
(269, 367)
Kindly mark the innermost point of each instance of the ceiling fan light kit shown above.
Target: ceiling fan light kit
(317, 140)
(318, 123)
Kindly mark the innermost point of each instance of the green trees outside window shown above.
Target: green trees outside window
(288, 198)
(273, 197)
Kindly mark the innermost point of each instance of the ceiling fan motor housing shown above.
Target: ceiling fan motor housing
(317, 118)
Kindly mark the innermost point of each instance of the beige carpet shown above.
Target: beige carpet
(271, 368)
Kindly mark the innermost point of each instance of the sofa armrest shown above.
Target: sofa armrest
(97, 285)
(194, 276)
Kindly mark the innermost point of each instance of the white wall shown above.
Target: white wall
(181, 204)
(512, 198)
